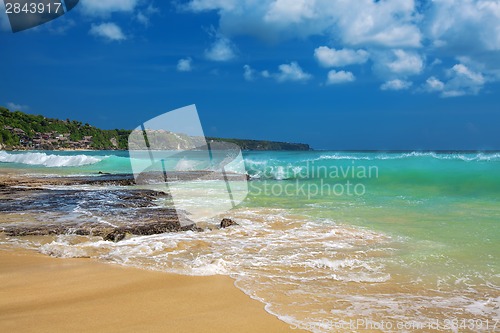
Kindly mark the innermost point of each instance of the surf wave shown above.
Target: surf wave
(49, 160)
(414, 154)
(323, 164)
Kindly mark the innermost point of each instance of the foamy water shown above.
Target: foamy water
(48, 160)
(310, 273)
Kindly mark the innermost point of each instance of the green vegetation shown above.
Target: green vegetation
(263, 145)
(37, 126)
(19, 130)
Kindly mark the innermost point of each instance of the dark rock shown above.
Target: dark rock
(227, 223)
(126, 211)
(114, 236)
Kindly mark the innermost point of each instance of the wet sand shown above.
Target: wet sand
(43, 294)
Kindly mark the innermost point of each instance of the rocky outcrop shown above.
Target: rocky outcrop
(108, 233)
(225, 223)
(108, 213)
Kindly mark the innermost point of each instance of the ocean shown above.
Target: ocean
(328, 241)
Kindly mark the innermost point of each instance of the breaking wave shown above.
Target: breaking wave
(415, 154)
(48, 160)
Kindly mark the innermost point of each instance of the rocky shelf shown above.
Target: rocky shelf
(45, 206)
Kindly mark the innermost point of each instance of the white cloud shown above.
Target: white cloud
(406, 63)
(185, 65)
(396, 85)
(460, 24)
(105, 7)
(464, 72)
(290, 11)
(434, 84)
(17, 107)
(248, 73)
(265, 74)
(221, 50)
(390, 23)
(109, 31)
(335, 77)
(328, 57)
(462, 81)
(291, 72)
(400, 62)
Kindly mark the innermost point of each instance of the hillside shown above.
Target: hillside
(22, 131)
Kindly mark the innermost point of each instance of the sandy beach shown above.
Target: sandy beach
(44, 294)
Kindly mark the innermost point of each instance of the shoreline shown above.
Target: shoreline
(45, 294)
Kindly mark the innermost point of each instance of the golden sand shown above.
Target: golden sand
(44, 294)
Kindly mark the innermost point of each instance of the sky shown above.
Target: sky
(336, 74)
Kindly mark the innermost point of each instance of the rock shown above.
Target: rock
(227, 223)
(114, 236)
(127, 211)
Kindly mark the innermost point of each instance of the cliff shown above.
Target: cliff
(22, 131)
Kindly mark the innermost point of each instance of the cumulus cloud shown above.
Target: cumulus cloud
(335, 77)
(399, 63)
(396, 84)
(328, 57)
(460, 70)
(460, 24)
(290, 11)
(17, 107)
(185, 65)
(390, 23)
(462, 80)
(105, 7)
(108, 31)
(433, 84)
(248, 73)
(291, 72)
(222, 49)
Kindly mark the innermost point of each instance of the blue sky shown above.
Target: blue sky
(365, 74)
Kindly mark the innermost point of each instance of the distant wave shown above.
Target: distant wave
(414, 154)
(301, 166)
(47, 160)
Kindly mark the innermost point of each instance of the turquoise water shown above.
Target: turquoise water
(327, 235)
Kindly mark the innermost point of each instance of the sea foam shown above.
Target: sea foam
(49, 160)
